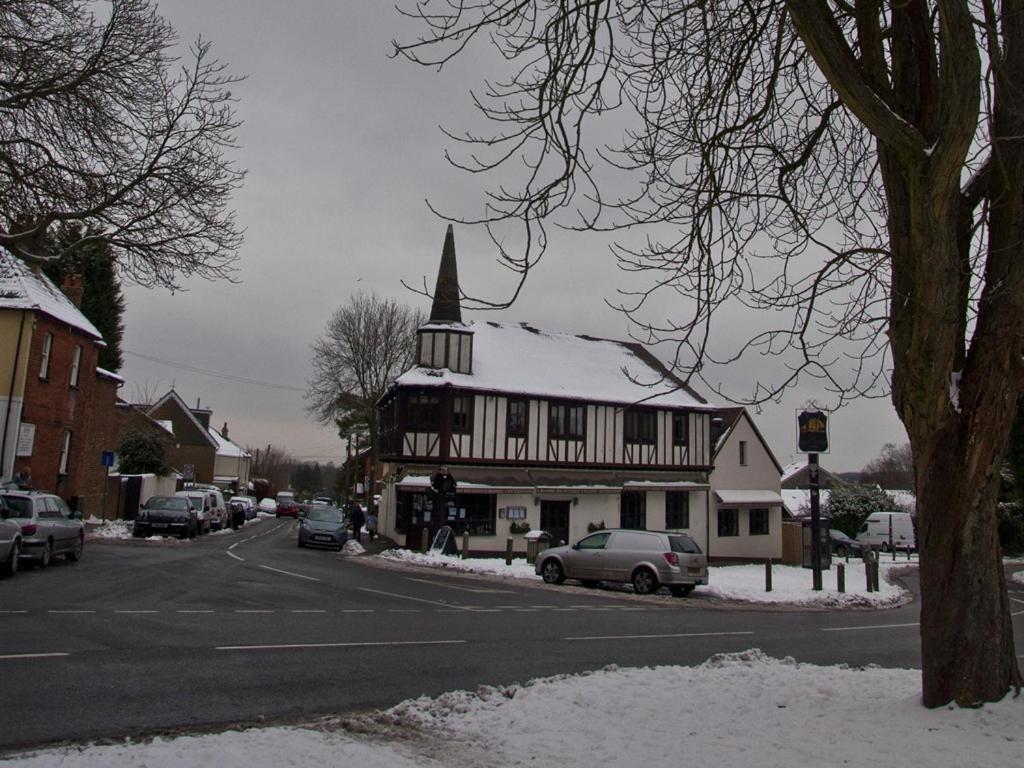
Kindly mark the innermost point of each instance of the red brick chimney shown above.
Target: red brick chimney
(72, 288)
(224, 431)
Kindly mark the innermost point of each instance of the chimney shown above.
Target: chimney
(72, 288)
(224, 430)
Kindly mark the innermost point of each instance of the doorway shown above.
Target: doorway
(554, 518)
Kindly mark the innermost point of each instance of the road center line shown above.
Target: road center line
(12, 656)
(232, 554)
(417, 599)
(873, 626)
(287, 573)
(290, 646)
(657, 637)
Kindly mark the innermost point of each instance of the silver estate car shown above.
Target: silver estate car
(645, 559)
(10, 541)
(48, 526)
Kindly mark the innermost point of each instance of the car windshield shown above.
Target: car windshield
(20, 506)
(324, 515)
(176, 503)
(684, 544)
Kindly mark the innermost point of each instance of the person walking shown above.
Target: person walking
(371, 524)
(358, 518)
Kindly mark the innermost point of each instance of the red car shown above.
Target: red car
(286, 505)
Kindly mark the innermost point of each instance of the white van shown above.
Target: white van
(209, 503)
(881, 528)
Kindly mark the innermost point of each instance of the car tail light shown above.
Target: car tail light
(672, 558)
(29, 529)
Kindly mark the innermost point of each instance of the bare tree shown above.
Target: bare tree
(101, 124)
(367, 344)
(272, 463)
(852, 171)
(893, 469)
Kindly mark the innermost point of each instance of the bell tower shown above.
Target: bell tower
(444, 341)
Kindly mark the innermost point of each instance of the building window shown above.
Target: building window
(474, 512)
(76, 363)
(640, 427)
(44, 367)
(728, 522)
(517, 421)
(759, 522)
(633, 510)
(565, 421)
(423, 413)
(743, 453)
(462, 414)
(677, 509)
(65, 453)
(680, 429)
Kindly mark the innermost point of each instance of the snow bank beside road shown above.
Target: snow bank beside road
(736, 710)
(739, 583)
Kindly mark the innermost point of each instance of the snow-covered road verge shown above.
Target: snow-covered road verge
(791, 585)
(733, 711)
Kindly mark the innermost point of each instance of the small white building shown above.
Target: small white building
(232, 465)
(558, 432)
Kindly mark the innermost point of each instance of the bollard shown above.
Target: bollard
(841, 577)
(508, 551)
(867, 571)
(426, 539)
(894, 554)
(465, 545)
(768, 575)
(875, 576)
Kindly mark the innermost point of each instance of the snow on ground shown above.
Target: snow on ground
(1017, 577)
(352, 547)
(743, 583)
(108, 529)
(733, 711)
(256, 520)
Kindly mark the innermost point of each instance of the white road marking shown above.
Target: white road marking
(873, 626)
(13, 611)
(482, 590)
(11, 656)
(417, 599)
(658, 637)
(232, 554)
(289, 646)
(234, 545)
(288, 573)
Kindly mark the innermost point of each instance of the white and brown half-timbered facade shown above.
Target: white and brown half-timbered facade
(559, 432)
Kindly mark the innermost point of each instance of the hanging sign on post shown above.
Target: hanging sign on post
(812, 431)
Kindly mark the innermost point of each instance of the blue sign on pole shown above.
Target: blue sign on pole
(107, 459)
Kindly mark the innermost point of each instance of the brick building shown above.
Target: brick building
(193, 445)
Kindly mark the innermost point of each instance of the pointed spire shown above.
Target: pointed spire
(446, 308)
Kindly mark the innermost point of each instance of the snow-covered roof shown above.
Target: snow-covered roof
(109, 374)
(791, 469)
(747, 497)
(21, 288)
(226, 447)
(521, 360)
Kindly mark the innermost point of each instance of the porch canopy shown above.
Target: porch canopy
(748, 498)
(481, 480)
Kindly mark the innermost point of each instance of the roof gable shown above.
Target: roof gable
(194, 433)
(522, 360)
(23, 288)
(732, 417)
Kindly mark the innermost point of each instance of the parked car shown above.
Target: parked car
(323, 527)
(48, 526)
(267, 506)
(203, 506)
(646, 559)
(842, 545)
(167, 514)
(880, 526)
(250, 505)
(236, 511)
(214, 506)
(10, 541)
(286, 505)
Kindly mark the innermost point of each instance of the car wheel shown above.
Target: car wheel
(589, 583)
(644, 581)
(885, 546)
(301, 544)
(45, 554)
(680, 590)
(76, 554)
(552, 572)
(11, 566)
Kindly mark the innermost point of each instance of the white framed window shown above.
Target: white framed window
(76, 363)
(65, 452)
(44, 366)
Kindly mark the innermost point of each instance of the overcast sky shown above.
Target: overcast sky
(342, 148)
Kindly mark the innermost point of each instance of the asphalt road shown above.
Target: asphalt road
(245, 627)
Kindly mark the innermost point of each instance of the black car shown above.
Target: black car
(842, 545)
(167, 515)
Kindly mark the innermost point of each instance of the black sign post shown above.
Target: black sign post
(444, 486)
(812, 439)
